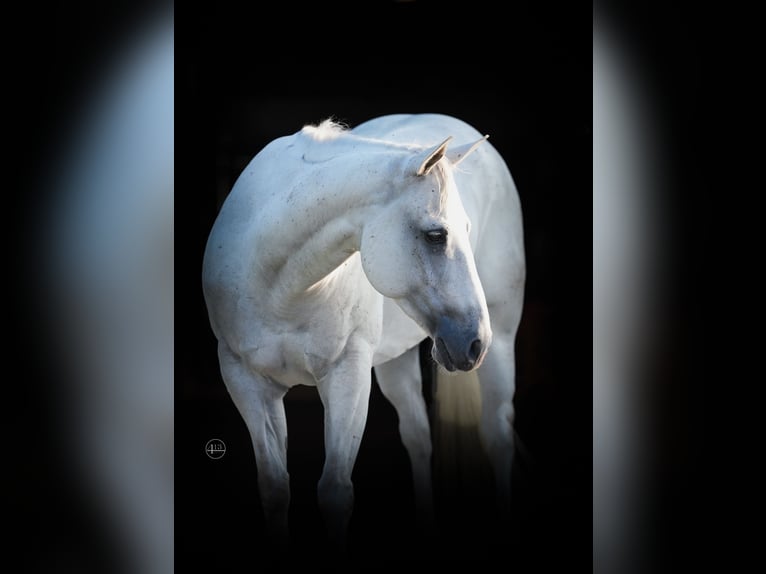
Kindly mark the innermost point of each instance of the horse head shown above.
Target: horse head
(416, 251)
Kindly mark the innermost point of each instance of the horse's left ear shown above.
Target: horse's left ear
(458, 154)
(432, 156)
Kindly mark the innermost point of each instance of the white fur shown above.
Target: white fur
(328, 129)
(317, 269)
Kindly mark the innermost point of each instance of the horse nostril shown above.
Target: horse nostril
(475, 351)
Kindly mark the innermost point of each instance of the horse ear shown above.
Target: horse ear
(432, 156)
(458, 154)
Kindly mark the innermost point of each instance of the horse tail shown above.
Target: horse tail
(462, 475)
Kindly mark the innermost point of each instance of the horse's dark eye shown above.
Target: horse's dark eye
(436, 236)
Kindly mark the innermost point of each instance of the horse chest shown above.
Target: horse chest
(304, 348)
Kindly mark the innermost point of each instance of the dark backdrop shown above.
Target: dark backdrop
(521, 74)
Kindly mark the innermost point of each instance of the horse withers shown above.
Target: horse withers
(339, 251)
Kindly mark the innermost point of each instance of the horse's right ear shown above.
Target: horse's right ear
(429, 158)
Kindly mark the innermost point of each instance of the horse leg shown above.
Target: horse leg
(345, 394)
(260, 402)
(497, 384)
(400, 381)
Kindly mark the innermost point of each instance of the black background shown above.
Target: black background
(526, 70)
(521, 74)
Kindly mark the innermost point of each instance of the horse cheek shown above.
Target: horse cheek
(382, 263)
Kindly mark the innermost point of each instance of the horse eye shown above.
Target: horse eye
(436, 236)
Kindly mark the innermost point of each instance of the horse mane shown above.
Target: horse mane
(331, 129)
(326, 130)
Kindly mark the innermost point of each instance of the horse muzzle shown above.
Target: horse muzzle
(459, 348)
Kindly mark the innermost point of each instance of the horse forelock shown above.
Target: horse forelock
(441, 172)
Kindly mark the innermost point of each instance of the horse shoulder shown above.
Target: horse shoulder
(301, 342)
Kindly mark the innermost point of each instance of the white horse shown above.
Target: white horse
(339, 251)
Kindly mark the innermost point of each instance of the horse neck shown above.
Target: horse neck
(323, 217)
